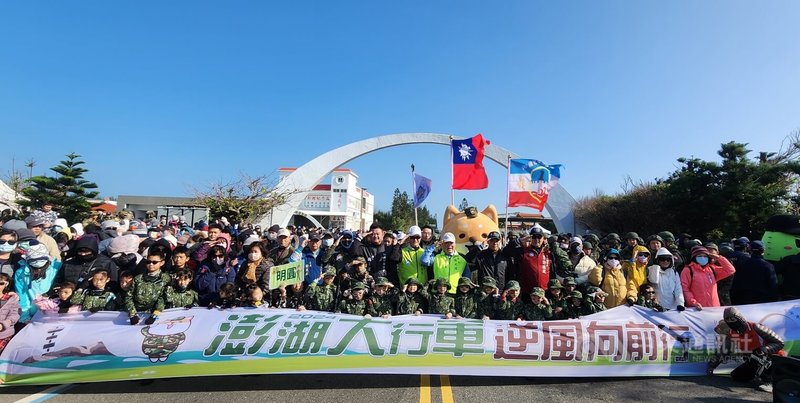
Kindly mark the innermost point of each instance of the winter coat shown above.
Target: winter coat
(28, 289)
(261, 273)
(79, 272)
(441, 304)
(321, 297)
(448, 267)
(699, 283)
(666, 283)
(410, 265)
(495, 265)
(581, 270)
(210, 277)
(535, 269)
(94, 300)
(51, 245)
(9, 314)
(613, 283)
(755, 282)
(537, 312)
(636, 272)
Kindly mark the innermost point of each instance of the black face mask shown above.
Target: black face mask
(86, 258)
(124, 260)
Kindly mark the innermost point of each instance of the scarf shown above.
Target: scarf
(250, 273)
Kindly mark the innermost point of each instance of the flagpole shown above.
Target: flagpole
(413, 194)
(452, 173)
(508, 191)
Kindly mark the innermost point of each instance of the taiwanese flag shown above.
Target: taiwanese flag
(468, 171)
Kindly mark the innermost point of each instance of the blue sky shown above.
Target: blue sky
(160, 97)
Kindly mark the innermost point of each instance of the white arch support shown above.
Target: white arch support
(559, 204)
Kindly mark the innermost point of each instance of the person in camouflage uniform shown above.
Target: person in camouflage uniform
(179, 295)
(487, 299)
(96, 298)
(355, 304)
(384, 298)
(322, 297)
(576, 306)
(539, 308)
(466, 299)
(294, 298)
(147, 288)
(647, 298)
(440, 301)
(558, 301)
(595, 301)
(510, 306)
(413, 299)
(359, 273)
(569, 284)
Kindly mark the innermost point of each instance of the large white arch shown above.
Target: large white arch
(559, 204)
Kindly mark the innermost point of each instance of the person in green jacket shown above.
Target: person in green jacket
(510, 305)
(447, 264)
(413, 299)
(322, 297)
(539, 308)
(179, 295)
(96, 297)
(576, 306)
(146, 289)
(409, 258)
(383, 300)
(440, 301)
(558, 300)
(488, 298)
(355, 304)
(466, 299)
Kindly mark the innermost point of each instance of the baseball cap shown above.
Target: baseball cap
(448, 237)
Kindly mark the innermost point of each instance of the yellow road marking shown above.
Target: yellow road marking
(424, 389)
(447, 391)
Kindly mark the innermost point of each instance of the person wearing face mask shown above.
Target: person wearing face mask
(272, 237)
(582, 264)
(636, 270)
(214, 271)
(699, 278)
(665, 280)
(256, 267)
(34, 278)
(610, 278)
(8, 244)
(84, 263)
(345, 248)
(124, 253)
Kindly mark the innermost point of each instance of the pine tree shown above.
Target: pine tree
(68, 192)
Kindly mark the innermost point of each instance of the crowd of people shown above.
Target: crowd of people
(146, 267)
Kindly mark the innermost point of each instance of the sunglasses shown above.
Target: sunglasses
(3, 282)
(10, 242)
(416, 237)
(219, 255)
(154, 261)
(649, 292)
(537, 236)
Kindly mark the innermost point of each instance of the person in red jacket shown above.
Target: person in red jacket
(699, 278)
(538, 262)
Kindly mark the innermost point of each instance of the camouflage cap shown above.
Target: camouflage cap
(442, 281)
(538, 292)
(413, 281)
(465, 281)
(359, 259)
(512, 285)
(595, 291)
(380, 281)
(488, 282)
(358, 286)
(569, 281)
(554, 283)
(330, 271)
(576, 294)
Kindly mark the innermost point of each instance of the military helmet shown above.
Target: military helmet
(570, 281)
(489, 282)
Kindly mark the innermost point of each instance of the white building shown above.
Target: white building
(340, 204)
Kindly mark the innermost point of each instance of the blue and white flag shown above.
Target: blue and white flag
(422, 188)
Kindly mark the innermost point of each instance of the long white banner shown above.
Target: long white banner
(634, 341)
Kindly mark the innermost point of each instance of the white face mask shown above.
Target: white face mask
(327, 242)
(612, 262)
(254, 256)
(219, 260)
(642, 259)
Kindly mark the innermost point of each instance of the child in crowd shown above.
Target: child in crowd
(539, 309)
(466, 299)
(225, 298)
(293, 298)
(253, 297)
(147, 289)
(96, 297)
(383, 300)
(558, 301)
(575, 307)
(9, 310)
(413, 299)
(355, 304)
(510, 306)
(59, 302)
(322, 297)
(178, 294)
(440, 301)
(596, 301)
(488, 299)
(647, 298)
(125, 281)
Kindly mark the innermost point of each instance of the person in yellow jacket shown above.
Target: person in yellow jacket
(448, 264)
(610, 277)
(636, 269)
(409, 258)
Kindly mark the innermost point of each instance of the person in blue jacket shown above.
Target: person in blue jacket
(214, 271)
(35, 277)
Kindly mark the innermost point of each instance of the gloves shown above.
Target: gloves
(134, 320)
(63, 310)
(629, 302)
(681, 308)
(94, 310)
(151, 319)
